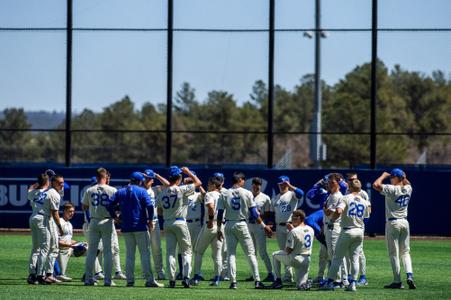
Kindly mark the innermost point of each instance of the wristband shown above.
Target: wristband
(263, 225)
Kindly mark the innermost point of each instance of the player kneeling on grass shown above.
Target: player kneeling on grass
(353, 209)
(298, 249)
(397, 230)
(67, 246)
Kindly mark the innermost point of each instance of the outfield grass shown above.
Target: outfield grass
(431, 263)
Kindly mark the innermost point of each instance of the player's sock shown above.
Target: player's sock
(410, 275)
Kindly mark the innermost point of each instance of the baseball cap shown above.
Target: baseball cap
(283, 178)
(396, 172)
(218, 174)
(149, 173)
(137, 176)
(50, 172)
(93, 180)
(174, 171)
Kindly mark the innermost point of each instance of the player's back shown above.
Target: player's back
(236, 203)
(300, 239)
(36, 198)
(263, 202)
(194, 210)
(97, 197)
(174, 202)
(51, 201)
(355, 209)
(397, 198)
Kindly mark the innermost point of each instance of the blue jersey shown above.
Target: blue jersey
(315, 220)
(135, 206)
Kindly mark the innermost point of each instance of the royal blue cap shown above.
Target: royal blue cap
(175, 171)
(137, 176)
(93, 180)
(149, 173)
(66, 186)
(283, 178)
(218, 174)
(396, 172)
(50, 172)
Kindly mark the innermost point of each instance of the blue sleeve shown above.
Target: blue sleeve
(149, 212)
(299, 193)
(88, 216)
(161, 222)
(310, 221)
(112, 205)
(254, 213)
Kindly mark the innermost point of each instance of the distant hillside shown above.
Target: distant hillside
(45, 119)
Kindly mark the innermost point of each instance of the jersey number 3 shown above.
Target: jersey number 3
(167, 201)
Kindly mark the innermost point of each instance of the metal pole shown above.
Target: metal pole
(170, 28)
(68, 85)
(373, 85)
(317, 142)
(270, 131)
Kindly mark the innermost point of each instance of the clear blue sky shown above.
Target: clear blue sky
(109, 65)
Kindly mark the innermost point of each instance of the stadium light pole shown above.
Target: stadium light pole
(68, 130)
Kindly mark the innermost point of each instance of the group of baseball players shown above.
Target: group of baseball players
(194, 218)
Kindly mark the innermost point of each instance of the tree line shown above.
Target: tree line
(410, 107)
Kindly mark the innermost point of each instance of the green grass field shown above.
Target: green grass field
(431, 262)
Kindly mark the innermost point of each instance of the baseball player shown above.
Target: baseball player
(194, 216)
(225, 266)
(172, 205)
(155, 237)
(397, 232)
(49, 250)
(65, 241)
(238, 205)
(353, 209)
(333, 229)
(297, 252)
(38, 230)
(315, 220)
(263, 203)
(87, 218)
(362, 259)
(283, 205)
(136, 215)
(208, 234)
(96, 200)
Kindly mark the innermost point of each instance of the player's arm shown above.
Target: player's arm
(219, 221)
(196, 180)
(56, 218)
(255, 215)
(147, 203)
(202, 191)
(161, 179)
(299, 193)
(211, 214)
(377, 185)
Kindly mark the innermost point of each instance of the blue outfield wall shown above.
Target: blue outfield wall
(428, 209)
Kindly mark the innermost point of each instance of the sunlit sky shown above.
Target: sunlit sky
(109, 65)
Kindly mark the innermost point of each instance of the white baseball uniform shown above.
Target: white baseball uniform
(263, 203)
(300, 239)
(397, 230)
(355, 209)
(236, 205)
(101, 227)
(332, 230)
(39, 232)
(208, 236)
(65, 253)
(51, 203)
(283, 206)
(174, 204)
(155, 235)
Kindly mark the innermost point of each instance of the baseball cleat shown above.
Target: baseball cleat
(179, 276)
(32, 279)
(362, 281)
(351, 287)
(394, 285)
(109, 283)
(64, 278)
(411, 284)
(171, 284)
(119, 276)
(186, 283)
(130, 284)
(154, 284)
(99, 276)
(259, 285)
(233, 286)
(277, 284)
(90, 283)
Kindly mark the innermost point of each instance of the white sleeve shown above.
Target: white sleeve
(188, 188)
(342, 203)
(388, 189)
(290, 240)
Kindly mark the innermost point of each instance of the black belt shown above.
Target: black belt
(393, 219)
(284, 224)
(241, 220)
(192, 220)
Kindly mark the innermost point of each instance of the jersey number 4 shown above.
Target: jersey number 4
(403, 200)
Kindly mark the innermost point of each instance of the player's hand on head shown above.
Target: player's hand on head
(185, 170)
